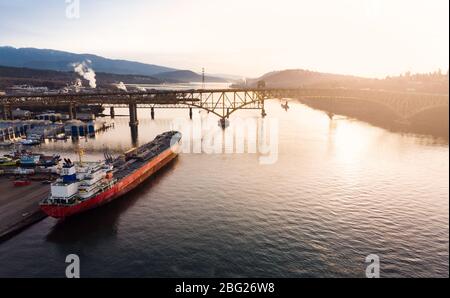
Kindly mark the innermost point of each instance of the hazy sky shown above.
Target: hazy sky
(245, 37)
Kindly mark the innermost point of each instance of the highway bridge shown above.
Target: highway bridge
(224, 102)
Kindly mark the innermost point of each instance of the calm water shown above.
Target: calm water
(338, 191)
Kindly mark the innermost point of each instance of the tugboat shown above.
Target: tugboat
(49, 161)
(86, 185)
(29, 161)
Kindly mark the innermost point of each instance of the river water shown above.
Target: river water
(314, 201)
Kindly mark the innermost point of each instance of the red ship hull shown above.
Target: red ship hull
(119, 189)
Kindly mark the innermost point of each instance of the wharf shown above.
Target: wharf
(19, 206)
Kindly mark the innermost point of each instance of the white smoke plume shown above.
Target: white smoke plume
(121, 86)
(86, 72)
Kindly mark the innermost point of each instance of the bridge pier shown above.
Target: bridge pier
(263, 109)
(133, 115)
(152, 113)
(224, 122)
(134, 123)
(134, 135)
(72, 111)
(7, 112)
(4, 112)
(112, 113)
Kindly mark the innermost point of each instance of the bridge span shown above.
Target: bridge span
(224, 102)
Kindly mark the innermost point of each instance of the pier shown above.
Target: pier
(19, 206)
(78, 128)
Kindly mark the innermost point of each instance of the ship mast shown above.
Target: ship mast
(80, 153)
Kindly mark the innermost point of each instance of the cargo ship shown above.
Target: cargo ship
(86, 185)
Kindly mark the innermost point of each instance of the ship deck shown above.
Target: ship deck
(143, 155)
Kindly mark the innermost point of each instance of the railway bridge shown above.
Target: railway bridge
(224, 102)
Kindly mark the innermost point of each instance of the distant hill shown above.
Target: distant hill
(62, 61)
(298, 78)
(10, 76)
(187, 76)
(295, 78)
(47, 59)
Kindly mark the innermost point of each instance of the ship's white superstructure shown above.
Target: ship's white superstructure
(80, 181)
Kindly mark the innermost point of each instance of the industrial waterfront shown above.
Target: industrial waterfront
(340, 189)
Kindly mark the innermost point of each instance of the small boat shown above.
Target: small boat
(8, 162)
(49, 161)
(30, 142)
(28, 161)
(18, 153)
(61, 136)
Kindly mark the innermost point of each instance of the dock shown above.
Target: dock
(19, 206)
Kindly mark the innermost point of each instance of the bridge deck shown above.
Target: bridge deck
(223, 102)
